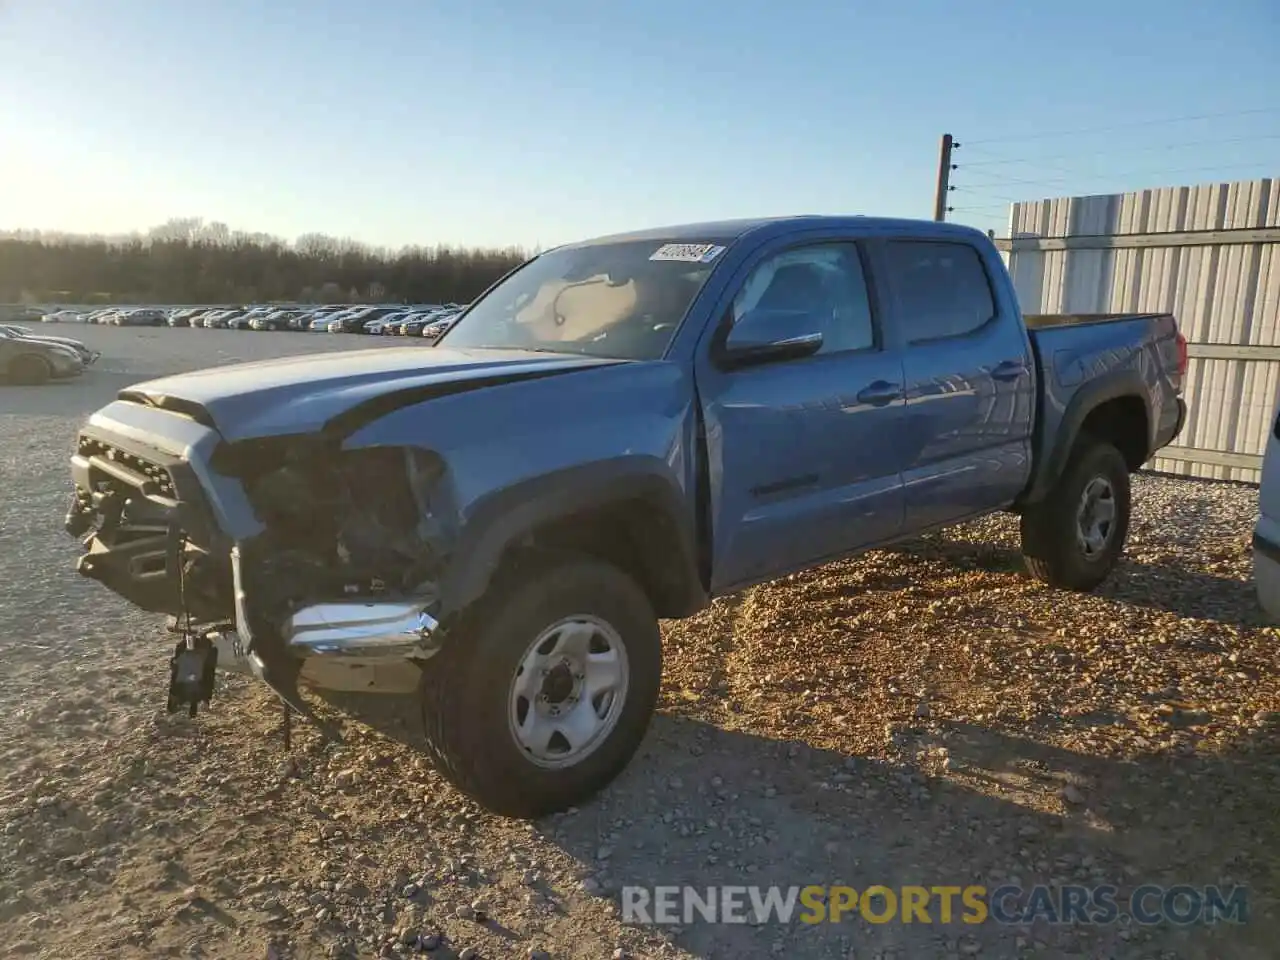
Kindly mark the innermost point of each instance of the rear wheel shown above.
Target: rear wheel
(1074, 537)
(29, 369)
(545, 696)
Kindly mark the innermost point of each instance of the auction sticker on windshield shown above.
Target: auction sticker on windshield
(688, 252)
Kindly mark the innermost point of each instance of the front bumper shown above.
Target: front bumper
(372, 646)
(150, 536)
(380, 631)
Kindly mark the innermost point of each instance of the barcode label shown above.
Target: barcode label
(688, 252)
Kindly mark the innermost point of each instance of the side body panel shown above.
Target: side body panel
(800, 468)
(1085, 365)
(966, 439)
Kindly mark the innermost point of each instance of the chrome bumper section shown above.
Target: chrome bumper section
(382, 631)
(344, 645)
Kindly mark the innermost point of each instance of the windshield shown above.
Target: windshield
(622, 300)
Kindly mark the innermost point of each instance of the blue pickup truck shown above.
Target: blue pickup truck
(614, 433)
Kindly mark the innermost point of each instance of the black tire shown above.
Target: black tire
(466, 688)
(1051, 541)
(29, 369)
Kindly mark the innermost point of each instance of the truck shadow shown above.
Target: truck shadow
(1168, 587)
(954, 804)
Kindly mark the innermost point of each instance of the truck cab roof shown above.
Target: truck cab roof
(728, 231)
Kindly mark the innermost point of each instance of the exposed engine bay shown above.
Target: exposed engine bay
(363, 523)
(349, 541)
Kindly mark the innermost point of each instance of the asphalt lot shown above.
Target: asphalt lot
(920, 716)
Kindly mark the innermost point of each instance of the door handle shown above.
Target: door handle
(880, 393)
(1009, 370)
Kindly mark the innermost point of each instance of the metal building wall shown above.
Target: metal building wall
(1217, 269)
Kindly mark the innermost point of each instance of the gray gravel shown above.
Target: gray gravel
(925, 715)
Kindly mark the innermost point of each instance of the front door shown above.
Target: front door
(802, 454)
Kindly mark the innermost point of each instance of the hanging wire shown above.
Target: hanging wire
(993, 196)
(990, 166)
(1046, 159)
(1119, 174)
(1126, 126)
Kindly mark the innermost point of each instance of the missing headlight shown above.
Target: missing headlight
(369, 521)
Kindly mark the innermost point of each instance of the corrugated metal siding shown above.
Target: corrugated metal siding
(1221, 294)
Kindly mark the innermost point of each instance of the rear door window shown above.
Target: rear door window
(941, 289)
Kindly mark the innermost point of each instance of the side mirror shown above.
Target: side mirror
(765, 336)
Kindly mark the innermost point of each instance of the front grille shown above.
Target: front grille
(158, 475)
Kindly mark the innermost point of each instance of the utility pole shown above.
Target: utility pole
(944, 177)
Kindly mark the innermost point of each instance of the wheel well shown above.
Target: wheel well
(637, 536)
(39, 358)
(1122, 422)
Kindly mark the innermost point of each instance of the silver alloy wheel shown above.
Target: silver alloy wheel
(568, 691)
(1095, 516)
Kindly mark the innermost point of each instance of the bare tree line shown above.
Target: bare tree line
(190, 260)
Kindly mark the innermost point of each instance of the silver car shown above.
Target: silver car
(29, 360)
(1266, 538)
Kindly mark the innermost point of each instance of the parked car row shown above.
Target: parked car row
(113, 316)
(429, 321)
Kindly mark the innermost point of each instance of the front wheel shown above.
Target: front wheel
(544, 698)
(1074, 537)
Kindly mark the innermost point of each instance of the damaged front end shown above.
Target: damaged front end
(353, 547)
(331, 579)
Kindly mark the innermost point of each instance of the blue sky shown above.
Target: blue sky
(445, 121)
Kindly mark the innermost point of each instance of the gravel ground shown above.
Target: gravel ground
(925, 715)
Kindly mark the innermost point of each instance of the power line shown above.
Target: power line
(1044, 163)
(1112, 175)
(1125, 126)
(1103, 153)
(998, 180)
(993, 196)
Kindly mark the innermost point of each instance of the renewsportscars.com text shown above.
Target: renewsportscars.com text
(1148, 904)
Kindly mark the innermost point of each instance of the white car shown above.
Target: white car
(1266, 538)
(63, 316)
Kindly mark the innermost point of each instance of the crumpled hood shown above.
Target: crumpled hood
(304, 394)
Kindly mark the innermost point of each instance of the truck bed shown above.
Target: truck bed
(1086, 359)
(1042, 321)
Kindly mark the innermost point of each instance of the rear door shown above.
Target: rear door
(802, 453)
(970, 390)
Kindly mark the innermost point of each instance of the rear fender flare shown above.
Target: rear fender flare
(1111, 386)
